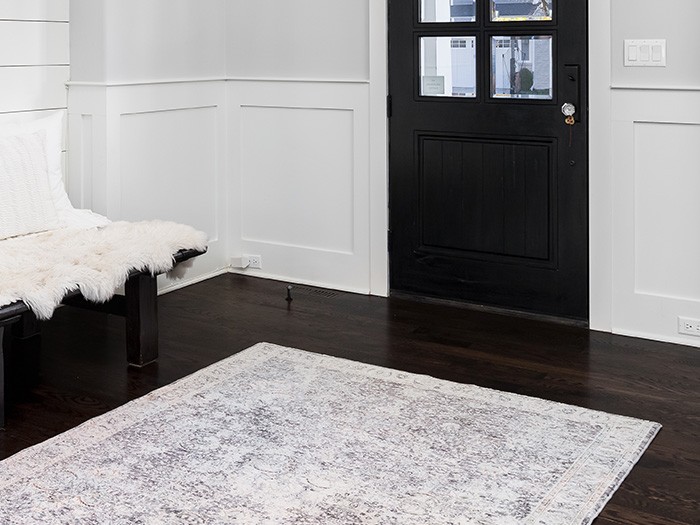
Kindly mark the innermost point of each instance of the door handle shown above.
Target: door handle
(572, 89)
(568, 109)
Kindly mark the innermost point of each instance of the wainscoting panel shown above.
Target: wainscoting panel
(667, 246)
(656, 250)
(164, 153)
(153, 151)
(281, 168)
(300, 166)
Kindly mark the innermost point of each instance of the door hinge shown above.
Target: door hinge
(388, 106)
(388, 240)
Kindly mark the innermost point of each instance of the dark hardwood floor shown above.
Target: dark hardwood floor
(81, 370)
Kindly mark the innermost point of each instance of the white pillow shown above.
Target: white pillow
(53, 127)
(26, 204)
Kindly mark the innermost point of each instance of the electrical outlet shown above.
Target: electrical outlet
(254, 261)
(689, 326)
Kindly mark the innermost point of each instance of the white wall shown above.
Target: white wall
(131, 41)
(673, 20)
(307, 153)
(304, 39)
(147, 116)
(655, 132)
(250, 120)
(314, 66)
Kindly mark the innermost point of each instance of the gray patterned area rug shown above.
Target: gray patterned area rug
(281, 436)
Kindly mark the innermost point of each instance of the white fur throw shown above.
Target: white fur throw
(40, 269)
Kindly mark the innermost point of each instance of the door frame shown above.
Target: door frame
(378, 146)
(600, 195)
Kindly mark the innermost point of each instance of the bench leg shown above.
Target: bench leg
(141, 293)
(23, 331)
(2, 377)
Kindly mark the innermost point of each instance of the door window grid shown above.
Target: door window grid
(521, 10)
(448, 66)
(454, 11)
(460, 11)
(521, 67)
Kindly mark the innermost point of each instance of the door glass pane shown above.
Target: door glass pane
(519, 10)
(521, 67)
(447, 11)
(448, 66)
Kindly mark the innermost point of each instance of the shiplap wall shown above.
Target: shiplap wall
(34, 57)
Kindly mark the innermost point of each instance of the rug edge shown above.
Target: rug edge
(603, 500)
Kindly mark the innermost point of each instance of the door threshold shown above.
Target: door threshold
(510, 312)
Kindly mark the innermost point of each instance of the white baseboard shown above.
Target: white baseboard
(187, 282)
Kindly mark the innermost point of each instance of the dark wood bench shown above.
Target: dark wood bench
(138, 306)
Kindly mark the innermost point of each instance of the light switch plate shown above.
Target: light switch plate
(645, 53)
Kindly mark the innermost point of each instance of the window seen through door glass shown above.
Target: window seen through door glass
(521, 67)
(448, 11)
(521, 10)
(448, 66)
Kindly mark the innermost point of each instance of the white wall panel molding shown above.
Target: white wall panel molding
(656, 106)
(307, 80)
(86, 169)
(218, 79)
(656, 186)
(300, 161)
(299, 157)
(153, 151)
(666, 252)
(132, 83)
(630, 87)
(168, 167)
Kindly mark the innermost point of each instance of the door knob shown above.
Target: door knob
(568, 109)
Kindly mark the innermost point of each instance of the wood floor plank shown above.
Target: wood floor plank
(81, 371)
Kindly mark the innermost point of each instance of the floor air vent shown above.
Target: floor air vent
(310, 290)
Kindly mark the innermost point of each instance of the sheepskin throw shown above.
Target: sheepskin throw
(40, 269)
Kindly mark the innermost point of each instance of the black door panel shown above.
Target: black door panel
(489, 194)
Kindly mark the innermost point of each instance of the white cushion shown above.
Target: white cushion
(53, 127)
(26, 204)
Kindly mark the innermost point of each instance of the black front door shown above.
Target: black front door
(488, 176)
